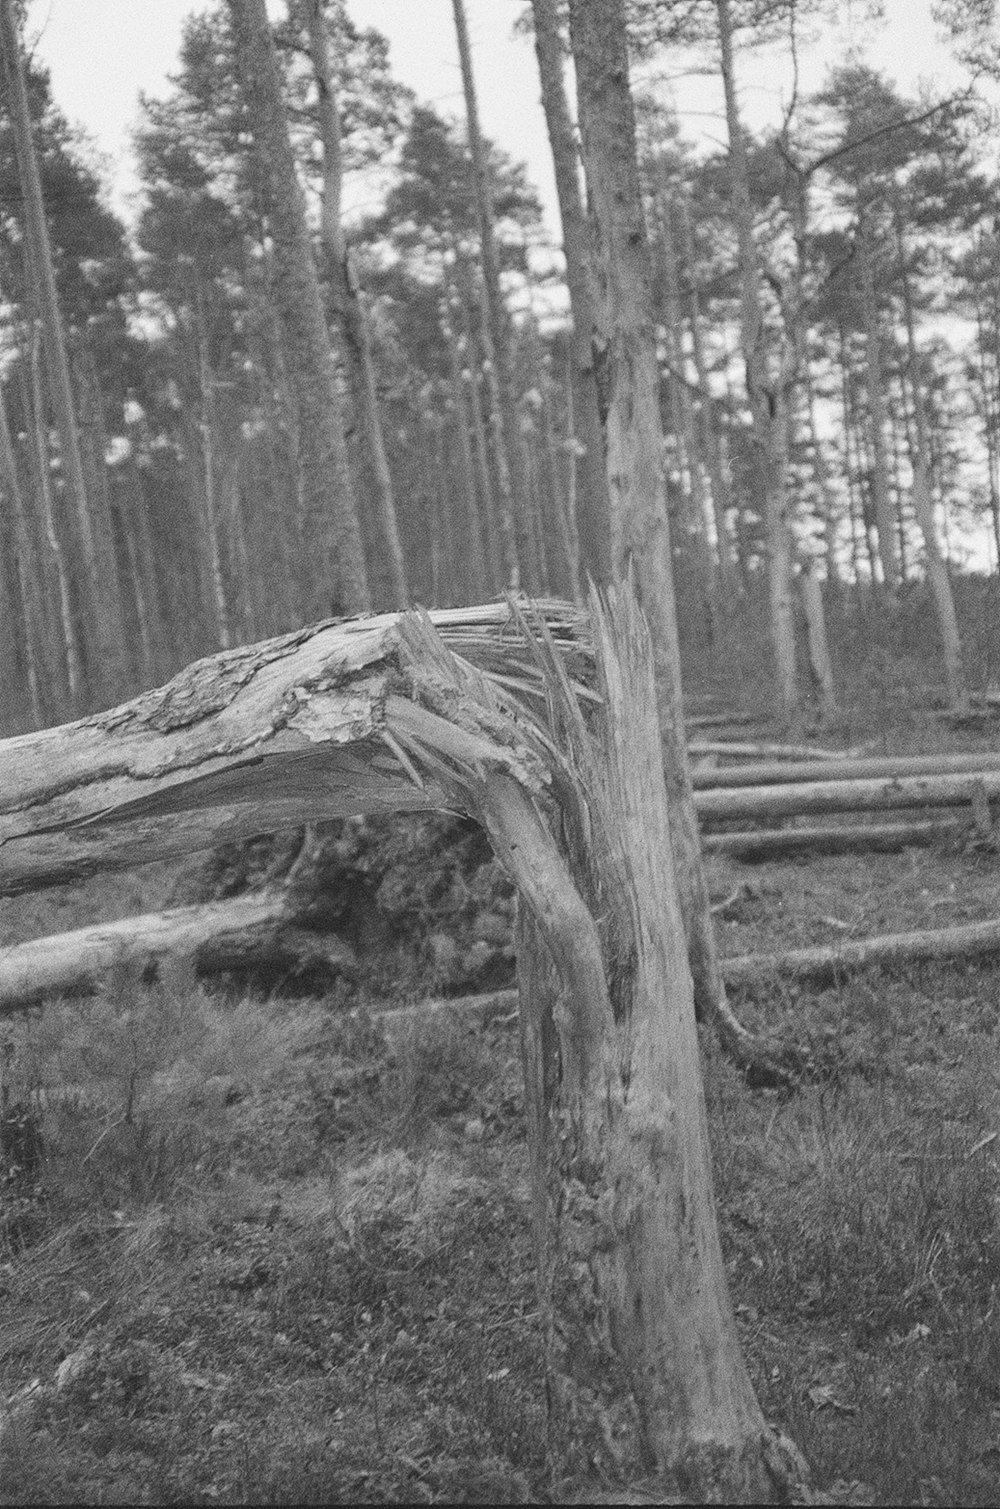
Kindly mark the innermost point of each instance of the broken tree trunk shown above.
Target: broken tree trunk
(249, 741)
(848, 796)
(644, 1366)
(970, 940)
(253, 933)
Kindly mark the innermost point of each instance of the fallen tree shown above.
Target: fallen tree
(802, 798)
(776, 773)
(967, 941)
(254, 934)
(550, 741)
(727, 749)
(844, 838)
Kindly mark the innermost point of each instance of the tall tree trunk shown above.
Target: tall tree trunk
(352, 320)
(695, 1403)
(514, 518)
(29, 580)
(923, 503)
(685, 429)
(331, 551)
(213, 544)
(590, 472)
(821, 472)
(991, 424)
(711, 442)
(498, 537)
(767, 392)
(485, 574)
(102, 609)
(884, 524)
(72, 653)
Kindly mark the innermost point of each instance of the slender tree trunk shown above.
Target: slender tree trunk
(711, 443)
(29, 580)
(350, 310)
(822, 474)
(100, 597)
(590, 472)
(887, 546)
(514, 520)
(687, 437)
(991, 424)
(819, 653)
(497, 537)
(330, 539)
(71, 647)
(207, 428)
(767, 393)
(486, 574)
(923, 503)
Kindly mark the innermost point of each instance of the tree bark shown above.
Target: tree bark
(331, 554)
(629, 384)
(592, 517)
(628, 381)
(352, 319)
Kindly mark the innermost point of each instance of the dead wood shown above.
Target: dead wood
(777, 773)
(731, 749)
(823, 964)
(881, 838)
(254, 740)
(763, 802)
(724, 720)
(248, 934)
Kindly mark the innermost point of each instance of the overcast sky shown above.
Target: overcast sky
(102, 52)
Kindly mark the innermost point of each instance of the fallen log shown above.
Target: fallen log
(968, 941)
(739, 751)
(881, 838)
(248, 933)
(776, 773)
(762, 802)
(724, 720)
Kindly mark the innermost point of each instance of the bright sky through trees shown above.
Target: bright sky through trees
(102, 52)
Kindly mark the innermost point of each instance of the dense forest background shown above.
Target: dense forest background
(828, 303)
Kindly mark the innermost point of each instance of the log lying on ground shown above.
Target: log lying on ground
(248, 933)
(724, 720)
(968, 941)
(763, 802)
(881, 838)
(728, 749)
(775, 773)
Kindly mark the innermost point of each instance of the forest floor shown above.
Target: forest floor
(268, 1252)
